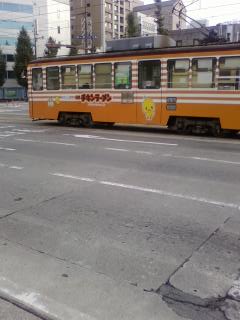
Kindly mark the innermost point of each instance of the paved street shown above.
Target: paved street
(122, 223)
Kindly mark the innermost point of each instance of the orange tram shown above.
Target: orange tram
(195, 89)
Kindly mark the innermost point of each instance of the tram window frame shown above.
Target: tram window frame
(86, 85)
(124, 78)
(227, 80)
(199, 71)
(143, 82)
(172, 62)
(107, 85)
(47, 78)
(71, 85)
(40, 87)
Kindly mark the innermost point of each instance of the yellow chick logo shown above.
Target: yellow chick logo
(57, 100)
(149, 108)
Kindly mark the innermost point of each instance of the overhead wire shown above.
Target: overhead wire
(97, 5)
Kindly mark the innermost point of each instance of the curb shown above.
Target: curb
(26, 307)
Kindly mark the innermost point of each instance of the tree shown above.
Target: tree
(24, 54)
(74, 49)
(132, 28)
(51, 48)
(160, 19)
(2, 68)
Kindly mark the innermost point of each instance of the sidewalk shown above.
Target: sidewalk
(55, 289)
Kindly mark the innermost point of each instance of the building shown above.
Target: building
(135, 43)
(229, 31)
(147, 24)
(188, 37)
(93, 22)
(169, 10)
(51, 19)
(13, 16)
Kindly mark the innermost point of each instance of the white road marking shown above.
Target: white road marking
(7, 149)
(10, 133)
(205, 140)
(203, 159)
(126, 150)
(165, 136)
(6, 127)
(3, 165)
(124, 140)
(47, 142)
(72, 177)
(29, 131)
(86, 136)
(155, 191)
(6, 135)
(144, 152)
(115, 149)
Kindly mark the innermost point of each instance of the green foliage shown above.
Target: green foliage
(51, 48)
(24, 54)
(160, 19)
(2, 69)
(132, 28)
(73, 50)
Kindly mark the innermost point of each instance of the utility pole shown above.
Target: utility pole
(85, 29)
(35, 37)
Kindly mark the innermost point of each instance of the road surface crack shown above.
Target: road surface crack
(34, 205)
(197, 249)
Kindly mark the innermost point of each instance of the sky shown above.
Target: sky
(216, 11)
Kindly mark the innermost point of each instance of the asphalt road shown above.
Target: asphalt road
(127, 223)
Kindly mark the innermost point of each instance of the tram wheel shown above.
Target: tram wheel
(216, 130)
(87, 121)
(62, 119)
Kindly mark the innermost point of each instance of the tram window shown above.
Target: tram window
(103, 75)
(37, 79)
(68, 76)
(229, 73)
(203, 72)
(123, 75)
(149, 74)
(85, 76)
(178, 73)
(53, 82)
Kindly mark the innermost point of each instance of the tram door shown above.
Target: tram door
(149, 95)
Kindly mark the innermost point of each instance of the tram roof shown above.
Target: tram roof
(142, 52)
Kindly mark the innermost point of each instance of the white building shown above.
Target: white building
(13, 16)
(51, 19)
(169, 10)
(147, 24)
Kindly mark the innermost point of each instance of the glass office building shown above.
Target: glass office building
(13, 16)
